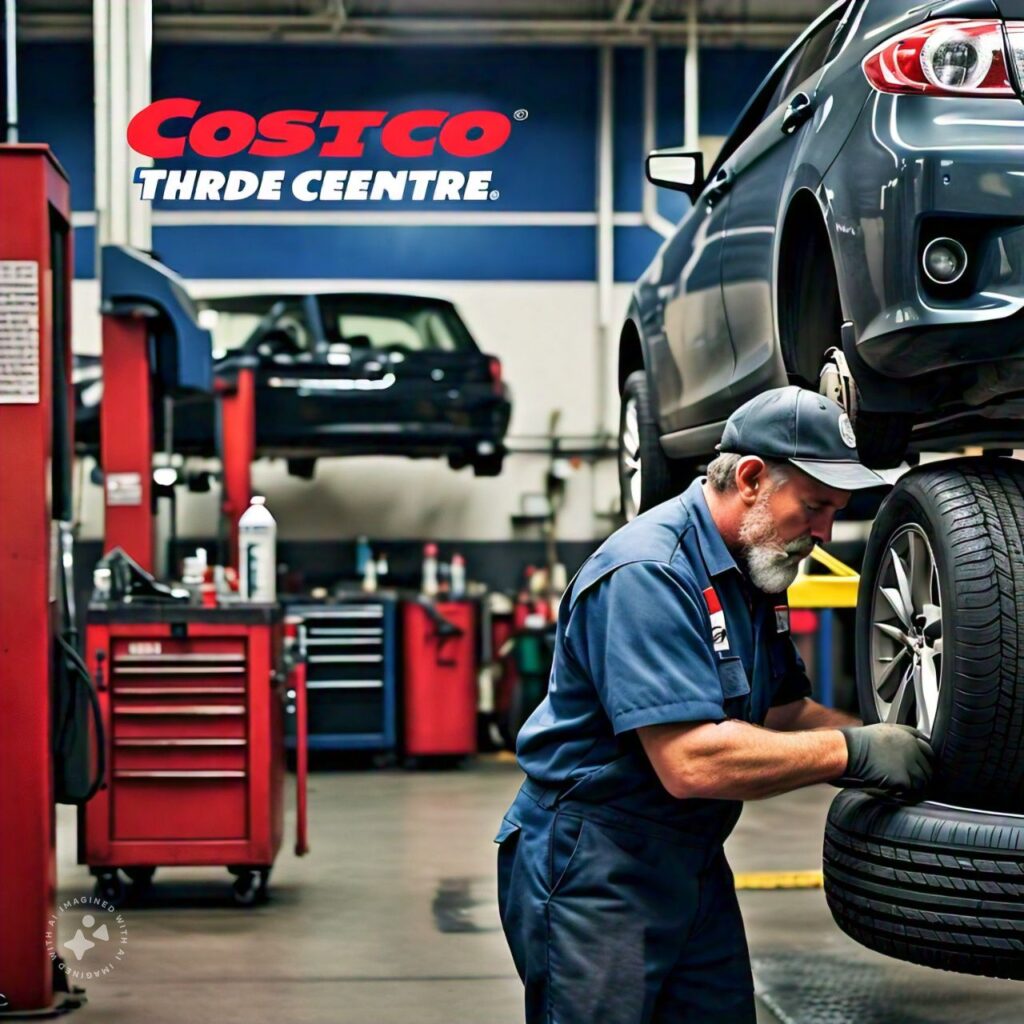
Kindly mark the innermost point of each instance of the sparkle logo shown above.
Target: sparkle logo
(86, 938)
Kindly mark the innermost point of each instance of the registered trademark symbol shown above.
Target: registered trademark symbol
(521, 114)
(494, 194)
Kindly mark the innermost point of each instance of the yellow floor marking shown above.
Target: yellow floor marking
(779, 880)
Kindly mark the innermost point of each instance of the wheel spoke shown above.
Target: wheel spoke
(902, 706)
(928, 699)
(932, 621)
(635, 488)
(902, 582)
(895, 633)
(889, 681)
(892, 595)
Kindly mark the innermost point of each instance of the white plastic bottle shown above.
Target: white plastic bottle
(429, 585)
(257, 552)
(458, 576)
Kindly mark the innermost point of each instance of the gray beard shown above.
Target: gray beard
(771, 564)
(770, 570)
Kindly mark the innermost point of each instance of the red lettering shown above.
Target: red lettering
(285, 133)
(144, 128)
(351, 124)
(239, 126)
(223, 133)
(396, 135)
(494, 131)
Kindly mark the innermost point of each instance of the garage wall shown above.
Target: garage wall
(525, 288)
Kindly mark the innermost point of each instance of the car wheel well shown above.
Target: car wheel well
(631, 354)
(809, 305)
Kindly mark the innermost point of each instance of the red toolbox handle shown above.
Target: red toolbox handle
(301, 761)
(298, 680)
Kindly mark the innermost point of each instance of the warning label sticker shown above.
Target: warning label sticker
(19, 332)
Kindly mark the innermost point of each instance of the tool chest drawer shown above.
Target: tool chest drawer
(184, 719)
(178, 753)
(349, 648)
(178, 805)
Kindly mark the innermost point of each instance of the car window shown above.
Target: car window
(812, 53)
(784, 76)
(230, 328)
(393, 322)
(290, 319)
(362, 331)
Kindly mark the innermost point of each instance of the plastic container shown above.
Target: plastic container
(429, 587)
(257, 552)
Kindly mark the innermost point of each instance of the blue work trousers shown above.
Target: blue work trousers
(612, 920)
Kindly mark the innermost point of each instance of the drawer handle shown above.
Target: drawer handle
(175, 670)
(338, 641)
(171, 659)
(179, 743)
(346, 631)
(162, 691)
(346, 684)
(193, 709)
(126, 773)
(321, 659)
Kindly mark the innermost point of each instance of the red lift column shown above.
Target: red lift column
(126, 438)
(35, 262)
(238, 449)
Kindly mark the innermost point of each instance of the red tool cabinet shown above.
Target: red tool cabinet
(192, 701)
(439, 645)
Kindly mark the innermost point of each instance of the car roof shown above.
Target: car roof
(397, 298)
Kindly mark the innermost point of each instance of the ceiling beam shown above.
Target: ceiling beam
(320, 28)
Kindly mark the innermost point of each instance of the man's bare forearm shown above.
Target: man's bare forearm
(807, 714)
(733, 760)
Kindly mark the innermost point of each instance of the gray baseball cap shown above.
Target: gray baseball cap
(807, 429)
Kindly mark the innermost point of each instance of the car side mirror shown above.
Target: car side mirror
(678, 169)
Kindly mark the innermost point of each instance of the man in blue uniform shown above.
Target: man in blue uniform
(677, 693)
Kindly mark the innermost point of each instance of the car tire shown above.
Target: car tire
(647, 476)
(929, 884)
(488, 465)
(956, 530)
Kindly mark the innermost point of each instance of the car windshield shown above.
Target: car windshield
(393, 322)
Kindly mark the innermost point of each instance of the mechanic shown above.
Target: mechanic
(676, 693)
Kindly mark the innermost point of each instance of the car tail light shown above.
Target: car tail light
(494, 369)
(1015, 35)
(951, 57)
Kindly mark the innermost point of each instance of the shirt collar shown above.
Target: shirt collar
(717, 556)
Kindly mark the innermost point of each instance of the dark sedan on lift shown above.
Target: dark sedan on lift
(343, 374)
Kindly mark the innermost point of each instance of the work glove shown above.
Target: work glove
(893, 761)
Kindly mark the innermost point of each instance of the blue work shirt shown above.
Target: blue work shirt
(660, 625)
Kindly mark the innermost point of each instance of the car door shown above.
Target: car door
(690, 352)
(757, 174)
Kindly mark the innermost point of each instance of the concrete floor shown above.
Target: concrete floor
(392, 919)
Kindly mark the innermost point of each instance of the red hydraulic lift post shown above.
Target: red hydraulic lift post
(35, 262)
(126, 437)
(238, 449)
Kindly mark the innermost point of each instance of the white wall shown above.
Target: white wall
(546, 335)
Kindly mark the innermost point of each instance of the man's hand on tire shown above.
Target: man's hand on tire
(894, 761)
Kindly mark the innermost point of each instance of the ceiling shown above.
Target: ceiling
(761, 22)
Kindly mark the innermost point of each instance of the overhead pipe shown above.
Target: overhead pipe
(373, 30)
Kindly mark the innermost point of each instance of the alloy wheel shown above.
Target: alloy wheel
(630, 465)
(906, 632)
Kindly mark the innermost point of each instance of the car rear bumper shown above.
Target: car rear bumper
(916, 168)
